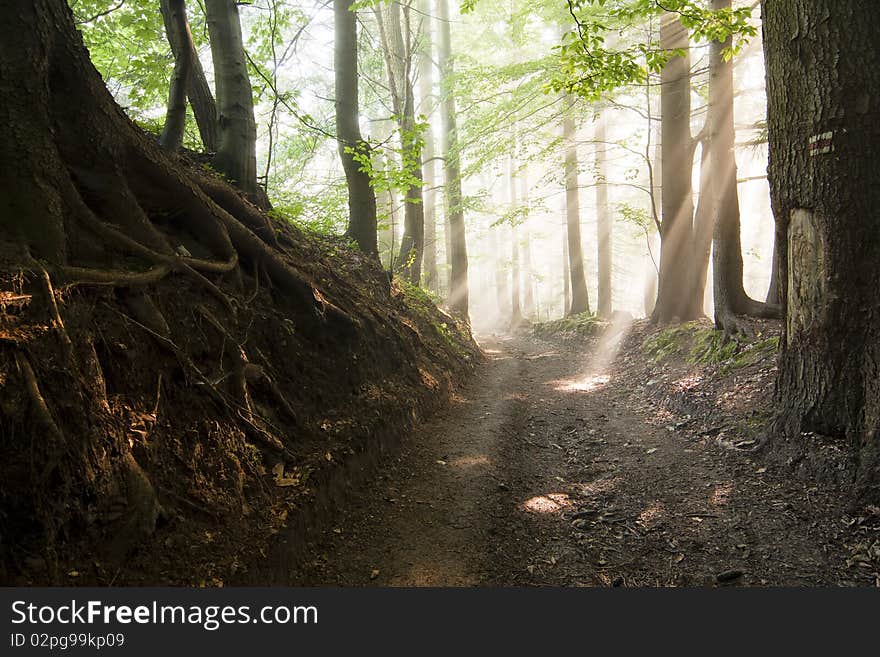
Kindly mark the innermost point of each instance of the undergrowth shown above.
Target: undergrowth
(584, 324)
(702, 345)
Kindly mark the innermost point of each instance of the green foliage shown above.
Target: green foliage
(699, 344)
(585, 324)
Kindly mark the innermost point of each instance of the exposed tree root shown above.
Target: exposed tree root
(41, 409)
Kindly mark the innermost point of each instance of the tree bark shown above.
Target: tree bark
(580, 300)
(236, 156)
(603, 223)
(458, 277)
(676, 291)
(174, 13)
(353, 150)
(198, 91)
(823, 86)
(731, 300)
(516, 317)
(80, 186)
(429, 164)
(397, 44)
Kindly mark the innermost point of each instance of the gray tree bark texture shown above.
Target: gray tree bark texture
(731, 300)
(361, 197)
(823, 91)
(458, 259)
(676, 298)
(236, 156)
(198, 90)
(429, 163)
(174, 13)
(395, 29)
(580, 299)
(603, 223)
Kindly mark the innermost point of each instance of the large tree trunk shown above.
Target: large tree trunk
(580, 300)
(823, 86)
(236, 156)
(87, 198)
(603, 222)
(676, 299)
(197, 88)
(731, 299)
(353, 150)
(458, 259)
(429, 164)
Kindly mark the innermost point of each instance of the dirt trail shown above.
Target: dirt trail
(547, 472)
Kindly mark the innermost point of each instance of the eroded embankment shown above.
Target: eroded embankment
(169, 432)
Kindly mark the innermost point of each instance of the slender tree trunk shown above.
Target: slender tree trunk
(676, 295)
(566, 275)
(823, 85)
(580, 300)
(703, 224)
(527, 274)
(385, 202)
(458, 278)
(395, 31)
(236, 156)
(429, 166)
(175, 114)
(516, 318)
(197, 88)
(731, 299)
(353, 150)
(603, 223)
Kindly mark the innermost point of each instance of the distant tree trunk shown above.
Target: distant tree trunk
(516, 318)
(823, 86)
(174, 12)
(566, 275)
(731, 299)
(529, 300)
(527, 277)
(458, 278)
(603, 223)
(395, 30)
(580, 300)
(386, 212)
(429, 168)
(236, 156)
(197, 88)
(676, 294)
(361, 198)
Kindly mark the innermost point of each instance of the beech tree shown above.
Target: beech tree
(458, 260)
(193, 84)
(398, 38)
(236, 156)
(354, 151)
(731, 299)
(580, 299)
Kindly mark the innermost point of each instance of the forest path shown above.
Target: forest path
(545, 470)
